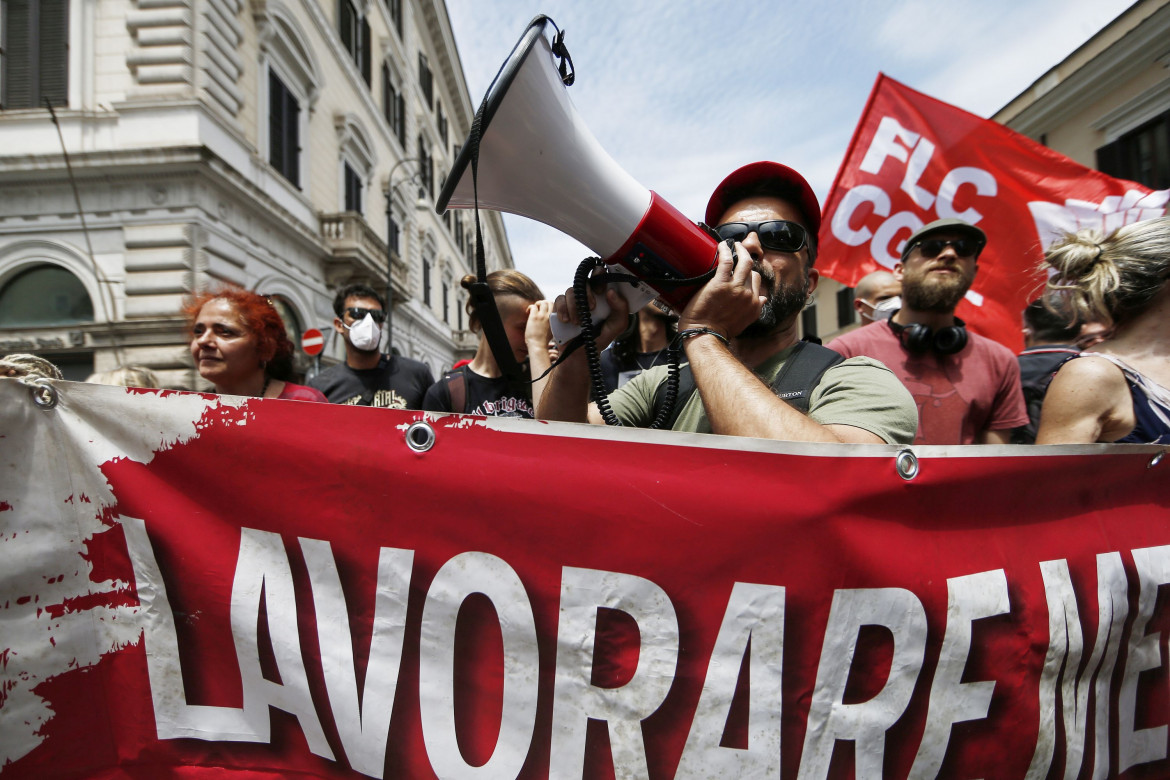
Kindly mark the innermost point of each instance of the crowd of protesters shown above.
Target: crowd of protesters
(1096, 367)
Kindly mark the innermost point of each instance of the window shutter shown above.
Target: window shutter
(275, 122)
(400, 117)
(283, 130)
(19, 39)
(53, 54)
(364, 62)
(36, 53)
(347, 19)
(425, 82)
(1111, 159)
(292, 134)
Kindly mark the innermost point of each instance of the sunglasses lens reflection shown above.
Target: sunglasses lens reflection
(736, 231)
(782, 236)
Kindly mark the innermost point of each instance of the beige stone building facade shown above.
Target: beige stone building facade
(1107, 105)
(288, 146)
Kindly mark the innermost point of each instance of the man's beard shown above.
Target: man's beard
(785, 302)
(924, 292)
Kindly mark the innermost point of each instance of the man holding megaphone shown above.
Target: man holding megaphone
(752, 376)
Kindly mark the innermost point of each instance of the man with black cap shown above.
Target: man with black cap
(739, 334)
(967, 387)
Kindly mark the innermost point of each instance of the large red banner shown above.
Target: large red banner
(194, 584)
(914, 159)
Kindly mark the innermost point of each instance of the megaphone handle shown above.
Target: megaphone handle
(636, 296)
(564, 331)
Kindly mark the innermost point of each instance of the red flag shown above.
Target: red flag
(914, 159)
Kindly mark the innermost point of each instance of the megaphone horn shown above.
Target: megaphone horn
(538, 160)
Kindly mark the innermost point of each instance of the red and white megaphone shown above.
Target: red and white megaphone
(537, 159)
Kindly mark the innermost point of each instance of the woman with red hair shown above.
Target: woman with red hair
(239, 344)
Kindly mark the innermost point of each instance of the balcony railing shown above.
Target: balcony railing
(359, 255)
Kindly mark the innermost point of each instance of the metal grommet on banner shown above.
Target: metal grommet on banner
(44, 395)
(1154, 461)
(420, 436)
(906, 463)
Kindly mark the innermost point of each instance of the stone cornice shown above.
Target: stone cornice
(1061, 98)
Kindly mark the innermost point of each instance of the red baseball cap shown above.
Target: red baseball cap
(789, 185)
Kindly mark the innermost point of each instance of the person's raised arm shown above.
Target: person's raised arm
(1087, 401)
(565, 397)
(537, 335)
(737, 402)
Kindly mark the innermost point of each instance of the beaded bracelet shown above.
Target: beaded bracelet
(683, 335)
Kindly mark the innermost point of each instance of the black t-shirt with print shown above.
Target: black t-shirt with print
(395, 383)
(491, 397)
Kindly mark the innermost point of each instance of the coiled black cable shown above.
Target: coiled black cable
(593, 358)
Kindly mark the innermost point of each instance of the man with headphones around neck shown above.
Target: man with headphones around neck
(967, 387)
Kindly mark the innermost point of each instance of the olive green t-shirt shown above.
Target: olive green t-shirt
(860, 392)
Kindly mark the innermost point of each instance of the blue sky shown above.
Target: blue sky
(681, 92)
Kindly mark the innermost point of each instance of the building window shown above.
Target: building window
(356, 163)
(845, 313)
(808, 321)
(355, 36)
(1141, 155)
(284, 125)
(35, 59)
(393, 239)
(426, 167)
(426, 269)
(44, 296)
(394, 8)
(393, 104)
(353, 189)
(442, 120)
(447, 300)
(426, 80)
(288, 83)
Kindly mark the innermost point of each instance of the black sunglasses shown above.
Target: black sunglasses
(933, 247)
(779, 235)
(357, 313)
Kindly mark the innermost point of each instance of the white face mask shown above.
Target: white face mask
(885, 309)
(366, 335)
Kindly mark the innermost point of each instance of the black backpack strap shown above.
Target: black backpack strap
(457, 391)
(802, 372)
(793, 385)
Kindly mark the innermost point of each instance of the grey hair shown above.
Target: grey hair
(1109, 278)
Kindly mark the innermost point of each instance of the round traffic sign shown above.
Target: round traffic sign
(312, 341)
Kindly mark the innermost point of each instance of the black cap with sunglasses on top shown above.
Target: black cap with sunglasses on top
(949, 225)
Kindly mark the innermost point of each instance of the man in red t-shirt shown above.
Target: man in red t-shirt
(967, 387)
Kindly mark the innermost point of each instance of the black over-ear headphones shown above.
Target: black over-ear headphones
(919, 338)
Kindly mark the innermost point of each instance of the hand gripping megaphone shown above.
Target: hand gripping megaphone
(537, 159)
